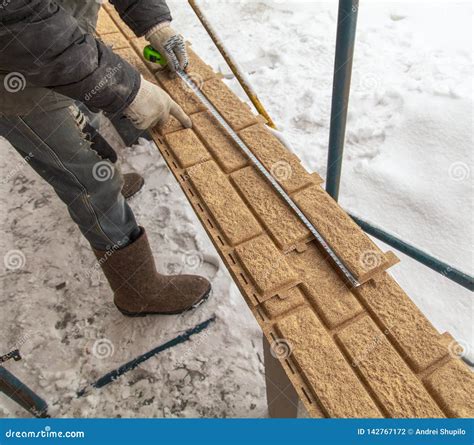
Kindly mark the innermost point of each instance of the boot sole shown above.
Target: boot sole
(132, 195)
(145, 314)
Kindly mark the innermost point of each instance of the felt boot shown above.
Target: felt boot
(139, 290)
(133, 183)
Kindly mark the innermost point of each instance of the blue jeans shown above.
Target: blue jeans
(56, 147)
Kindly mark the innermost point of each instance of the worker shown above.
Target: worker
(52, 68)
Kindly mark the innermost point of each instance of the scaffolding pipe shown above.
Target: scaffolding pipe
(428, 260)
(346, 32)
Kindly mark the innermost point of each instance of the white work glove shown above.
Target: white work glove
(153, 106)
(170, 45)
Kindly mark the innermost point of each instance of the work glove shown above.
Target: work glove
(169, 44)
(153, 106)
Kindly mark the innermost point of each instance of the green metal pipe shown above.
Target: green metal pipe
(428, 260)
(346, 32)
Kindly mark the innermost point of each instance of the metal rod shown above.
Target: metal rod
(17, 391)
(132, 364)
(346, 31)
(428, 260)
(233, 65)
(269, 177)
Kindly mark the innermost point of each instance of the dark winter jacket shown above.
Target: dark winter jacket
(49, 44)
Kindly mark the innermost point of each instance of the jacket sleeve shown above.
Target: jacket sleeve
(142, 15)
(44, 43)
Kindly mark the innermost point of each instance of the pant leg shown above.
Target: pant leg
(89, 124)
(126, 130)
(53, 144)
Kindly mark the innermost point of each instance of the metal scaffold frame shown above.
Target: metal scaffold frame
(345, 42)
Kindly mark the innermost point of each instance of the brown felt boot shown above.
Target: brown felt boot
(140, 290)
(133, 183)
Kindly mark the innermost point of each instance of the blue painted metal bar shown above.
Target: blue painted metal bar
(428, 260)
(17, 391)
(129, 366)
(346, 32)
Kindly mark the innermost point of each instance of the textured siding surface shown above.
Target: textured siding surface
(365, 352)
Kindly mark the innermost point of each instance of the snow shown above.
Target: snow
(407, 168)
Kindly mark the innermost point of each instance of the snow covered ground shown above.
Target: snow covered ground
(408, 168)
